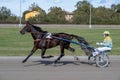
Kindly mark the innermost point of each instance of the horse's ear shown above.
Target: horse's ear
(27, 23)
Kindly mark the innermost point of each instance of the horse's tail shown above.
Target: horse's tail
(80, 39)
(86, 47)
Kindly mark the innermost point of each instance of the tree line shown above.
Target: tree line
(56, 15)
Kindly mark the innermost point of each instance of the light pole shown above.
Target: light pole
(90, 26)
(20, 24)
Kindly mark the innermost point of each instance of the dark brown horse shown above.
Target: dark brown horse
(42, 42)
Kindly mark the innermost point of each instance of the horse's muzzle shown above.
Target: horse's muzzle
(21, 32)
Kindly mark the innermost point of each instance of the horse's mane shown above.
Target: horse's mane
(38, 29)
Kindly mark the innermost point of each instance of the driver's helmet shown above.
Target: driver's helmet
(106, 32)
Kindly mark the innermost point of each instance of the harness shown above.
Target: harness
(47, 36)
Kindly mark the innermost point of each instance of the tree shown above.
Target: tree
(81, 14)
(116, 13)
(4, 13)
(35, 7)
(12, 19)
(39, 18)
(102, 15)
(116, 8)
(56, 15)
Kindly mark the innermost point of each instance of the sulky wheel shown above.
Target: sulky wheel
(102, 60)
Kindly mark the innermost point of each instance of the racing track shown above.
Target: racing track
(36, 68)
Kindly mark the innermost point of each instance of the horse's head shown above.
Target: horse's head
(26, 28)
(31, 29)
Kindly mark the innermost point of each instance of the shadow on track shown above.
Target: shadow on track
(60, 63)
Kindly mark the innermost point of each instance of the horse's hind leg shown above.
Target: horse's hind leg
(61, 55)
(31, 53)
(43, 53)
(72, 50)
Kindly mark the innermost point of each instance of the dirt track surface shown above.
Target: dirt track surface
(36, 68)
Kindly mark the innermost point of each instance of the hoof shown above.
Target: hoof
(76, 58)
(55, 61)
(23, 61)
(51, 56)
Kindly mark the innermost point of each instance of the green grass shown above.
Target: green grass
(12, 43)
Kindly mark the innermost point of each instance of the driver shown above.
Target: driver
(106, 45)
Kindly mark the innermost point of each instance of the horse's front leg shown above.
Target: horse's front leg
(30, 54)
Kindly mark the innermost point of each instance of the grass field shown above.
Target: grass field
(12, 43)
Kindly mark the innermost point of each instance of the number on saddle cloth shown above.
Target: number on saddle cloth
(48, 35)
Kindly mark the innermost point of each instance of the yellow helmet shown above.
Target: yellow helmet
(106, 32)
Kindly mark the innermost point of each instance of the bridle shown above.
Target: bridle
(32, 30)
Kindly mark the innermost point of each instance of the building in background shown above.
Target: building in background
(31, 14)
(69, 16)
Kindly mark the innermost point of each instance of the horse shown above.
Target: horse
(42, 42)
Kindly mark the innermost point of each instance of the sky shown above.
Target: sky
(67, 5)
